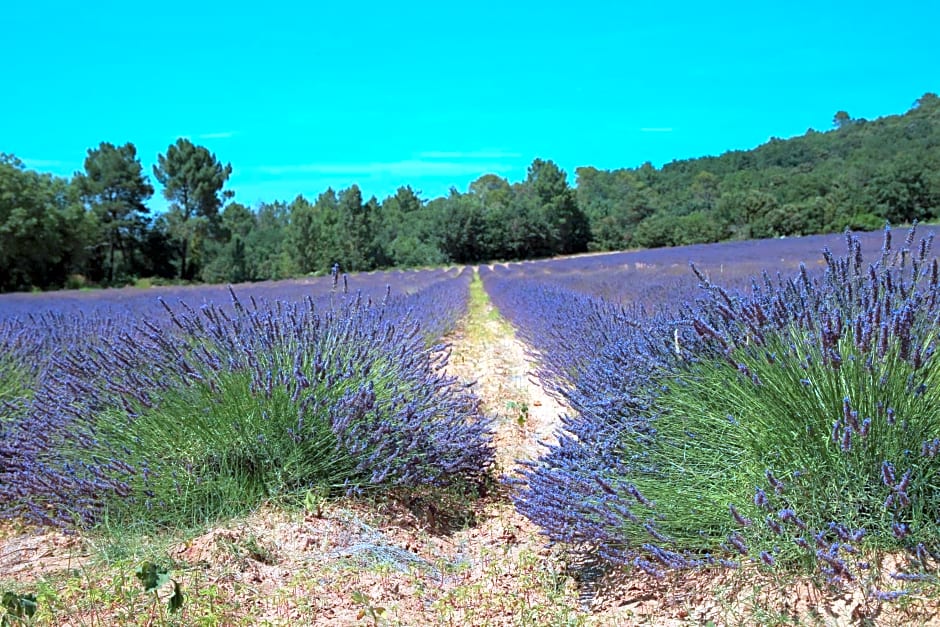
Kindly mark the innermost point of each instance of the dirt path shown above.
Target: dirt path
(486, 350)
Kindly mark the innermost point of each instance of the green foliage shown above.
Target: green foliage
(568, 230)
(18, 609)
(153, 577)
(115, 189)
(218, 450)
(615, 203)
(249, 245)
(43, 230)
(405, 233)
(858, 175)
(907, 189)
(337, 229)
(367, 608)
(521, 411)
(718, 435)
(192, 179)
(461, 222)
(744, 213)
(15, 390)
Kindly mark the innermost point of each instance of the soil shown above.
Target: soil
(413, 560)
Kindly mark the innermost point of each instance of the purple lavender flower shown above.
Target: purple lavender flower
(900, 530)
(740, 519)
(888, 595)
(846, 442)
(760, 498)
(773, 525)
(737, 541)
(887, 473)
(776, 483)
(788, 515)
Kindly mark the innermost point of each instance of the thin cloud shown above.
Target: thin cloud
(222, 135)
(656, 129)
(404, 168)
(470, 154)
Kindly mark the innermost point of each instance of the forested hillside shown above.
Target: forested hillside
(96, 228)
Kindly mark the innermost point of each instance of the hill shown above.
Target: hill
(857, 175)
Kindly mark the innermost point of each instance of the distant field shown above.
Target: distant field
(661, 277)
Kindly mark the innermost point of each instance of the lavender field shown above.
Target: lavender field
(728, 417)
(773, 409)
(660, 277)
(261, 389)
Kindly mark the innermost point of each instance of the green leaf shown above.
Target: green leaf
(176, 601)
(19, 605)
(152, 576)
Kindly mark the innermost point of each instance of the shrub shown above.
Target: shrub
(232, 405)
(799, 425)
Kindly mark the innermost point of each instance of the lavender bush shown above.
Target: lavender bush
(227, 405)
(792, 423)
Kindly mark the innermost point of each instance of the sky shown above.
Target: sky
(303, 96)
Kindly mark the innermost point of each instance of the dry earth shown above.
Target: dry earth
(415, 560)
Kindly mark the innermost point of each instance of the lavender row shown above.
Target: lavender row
(804, 380)
(139, 302)
(275, 395)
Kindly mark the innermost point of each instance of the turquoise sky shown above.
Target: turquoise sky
(303, 96)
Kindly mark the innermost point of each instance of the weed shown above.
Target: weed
(17, 609)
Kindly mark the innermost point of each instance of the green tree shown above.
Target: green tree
(266, 249)
(656, 231)
(460, 227)
(841, 119)
(311, 235)
(744, 213)
(908, 189)
(569, 231)
(404, 232)
(615, 202)
(494, 196)
(230, 261)
(43, 228)
(115, 190)
(355, 235)
(192, 179)
(705, 191)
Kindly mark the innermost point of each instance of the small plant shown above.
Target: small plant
(315, 498)
(521, 410)
(259, 551)
(18, 609)
(375, 613)
(152, 578)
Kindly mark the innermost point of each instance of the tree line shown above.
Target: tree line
(96, 228)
